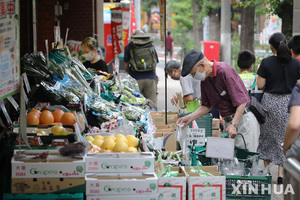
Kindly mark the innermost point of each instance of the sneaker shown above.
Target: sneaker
(279, 180)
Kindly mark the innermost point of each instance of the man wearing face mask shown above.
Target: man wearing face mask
(191, 90)
(93, 61)
(223, 89)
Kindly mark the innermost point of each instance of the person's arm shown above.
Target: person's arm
(126, 66)
(261, 82)
(293, 128)
(188, 98)
(185, 121)
(231, 129)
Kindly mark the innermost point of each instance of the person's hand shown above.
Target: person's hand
(221, 120)
(174, 100)
(231, 130)
(184, 121)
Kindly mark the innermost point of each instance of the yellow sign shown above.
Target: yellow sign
(162, 6)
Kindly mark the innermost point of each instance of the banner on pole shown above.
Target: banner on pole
(125, 24)
(116, 30)
(9, 48)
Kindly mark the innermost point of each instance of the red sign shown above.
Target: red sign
(116, 30)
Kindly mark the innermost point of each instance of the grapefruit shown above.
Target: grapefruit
(57, 114)
(32, 119)
(46, 117)
(68, 118)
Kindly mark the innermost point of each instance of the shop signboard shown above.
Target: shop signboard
(9, 48)
(116, 30)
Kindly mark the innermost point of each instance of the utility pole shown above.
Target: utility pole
(296, 16)
(226, 31)
(137, 7)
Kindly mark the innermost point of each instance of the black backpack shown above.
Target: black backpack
(142, 54)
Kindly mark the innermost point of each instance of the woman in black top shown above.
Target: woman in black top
(89, 47)
(277, 75)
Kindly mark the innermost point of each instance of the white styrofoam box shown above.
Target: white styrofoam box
(124, 197)
(52, 167)
(104, 184)
(208, 188)
(120, 162)
(173, 188)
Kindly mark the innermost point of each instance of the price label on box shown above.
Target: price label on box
(196, 135)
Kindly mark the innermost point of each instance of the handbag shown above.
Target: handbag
(258, 110)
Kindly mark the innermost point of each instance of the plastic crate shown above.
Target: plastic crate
(256, 181)
(203, 122)
(65, 196)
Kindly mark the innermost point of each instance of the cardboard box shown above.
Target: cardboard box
(168, 135)
(160, 120)
(52, 167)
(217, 133)
(210, 187)
(124, 197)
(170, 188)
(120, 162)
(215, 124)
(47, 185)
(172, 118)
(169, 142)
(106, 184)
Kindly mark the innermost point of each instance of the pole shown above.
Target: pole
(226, 31)
(166, 75)
(137, 7)
(296, 15)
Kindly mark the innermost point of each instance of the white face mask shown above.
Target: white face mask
(175, 75)
(200, 76)
(89, 56)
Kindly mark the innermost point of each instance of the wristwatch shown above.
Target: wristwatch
(234, 124)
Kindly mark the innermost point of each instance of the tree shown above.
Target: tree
(197, 24)
(247, 27)
(282, 8)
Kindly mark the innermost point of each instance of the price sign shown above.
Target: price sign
(196, 136)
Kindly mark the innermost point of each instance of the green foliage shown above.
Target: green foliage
(185, 39)
(266, 6)
(147, 4)
(208, 8)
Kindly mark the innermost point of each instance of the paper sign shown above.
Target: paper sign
(159, 166)
(196, 135)
(220, 148)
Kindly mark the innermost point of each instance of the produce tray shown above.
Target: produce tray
(65, 196)
(47, 139)
(255, 181)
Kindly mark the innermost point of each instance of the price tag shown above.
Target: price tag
(196, 135)
(5, 112)
(13, 102)
(25, 79)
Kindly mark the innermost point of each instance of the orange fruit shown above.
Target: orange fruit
(35, 111)
(32, 119)
(68, 119)
(46, 117)
(57, 114)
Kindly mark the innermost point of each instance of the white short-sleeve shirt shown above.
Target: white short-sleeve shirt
(190, 85)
